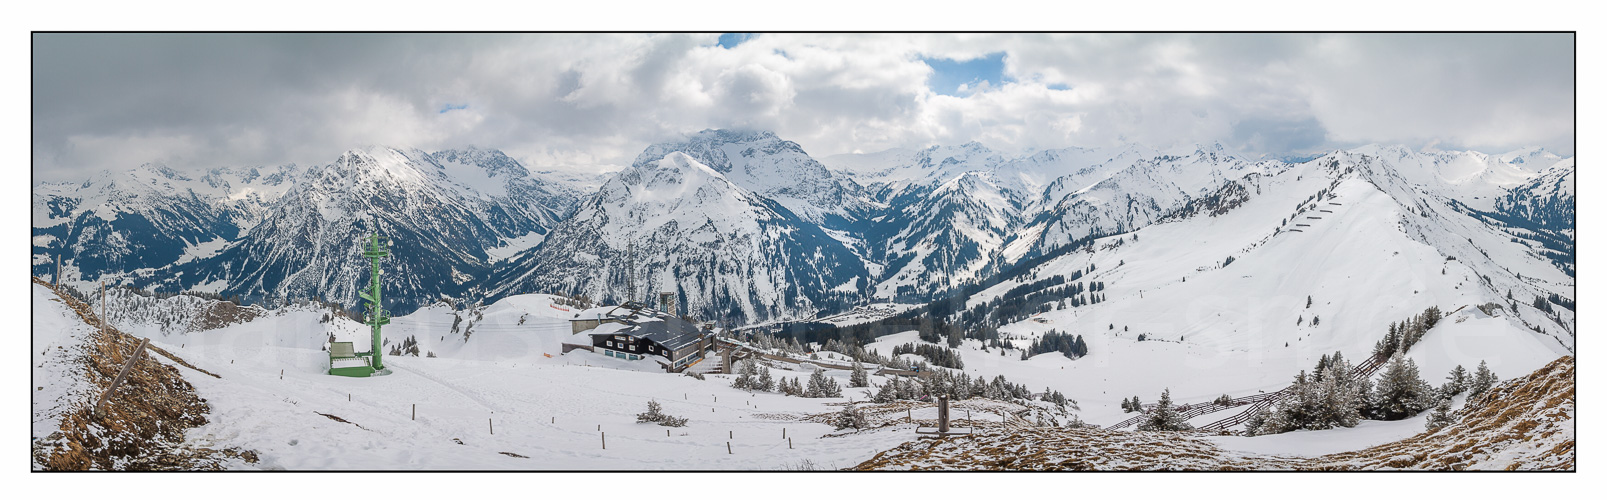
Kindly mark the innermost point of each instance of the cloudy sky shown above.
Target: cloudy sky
(112, 101)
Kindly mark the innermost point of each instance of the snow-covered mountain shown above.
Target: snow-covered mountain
(146, 217)
(288, 232)
(756, 230)
(447, 215)
(1128, 192)
(675, 224)
(774, 168)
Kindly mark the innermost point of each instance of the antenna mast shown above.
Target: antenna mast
(375, 247)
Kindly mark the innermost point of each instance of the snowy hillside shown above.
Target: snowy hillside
(1366, 247)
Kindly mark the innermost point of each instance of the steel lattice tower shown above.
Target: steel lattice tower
(375, 247)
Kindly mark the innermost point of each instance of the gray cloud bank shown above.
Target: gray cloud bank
(112, 101)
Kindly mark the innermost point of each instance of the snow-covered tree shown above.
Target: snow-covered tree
(1441, 416)
(655, 414)
(1164, 417)
(821, 386)
(745, 376)
(765, 383)
(1483, 379)
(1254, 425)
(1401, 391)
(887, 393)
(850, 418)
(1456, 382)
(858, 378)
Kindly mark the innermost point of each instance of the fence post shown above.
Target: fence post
(728, 448)
(789, 443)
(493, 428)
(121, 374)
(605, 439)
(415, 411)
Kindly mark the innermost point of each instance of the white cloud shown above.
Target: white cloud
(594, 101)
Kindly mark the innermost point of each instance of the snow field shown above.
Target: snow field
(546, 409)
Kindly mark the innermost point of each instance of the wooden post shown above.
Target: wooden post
(783, 433)
(281, 374)
(128, 365)
(492, 427)
(789, 443)
(415, 411)
(666, 433)
(599, 427)
(348, 397)
(730, 434)
(728, 448)
(605, 439)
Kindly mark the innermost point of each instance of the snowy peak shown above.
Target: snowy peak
(769, 166)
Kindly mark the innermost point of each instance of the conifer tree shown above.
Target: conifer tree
(1164, 417)
(1401, 391)
(765, 383)
(1441, 416)
(887, 393)
(850, 418)
(858, 378)
(1456, 382)
(1483, 379)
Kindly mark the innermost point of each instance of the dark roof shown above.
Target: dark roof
(672, 333)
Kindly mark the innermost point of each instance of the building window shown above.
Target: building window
(610, 343)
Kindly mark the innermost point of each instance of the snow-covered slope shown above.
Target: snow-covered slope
(678, 225)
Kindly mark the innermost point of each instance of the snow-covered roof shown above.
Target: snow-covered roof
(672, 333)
(603, 312)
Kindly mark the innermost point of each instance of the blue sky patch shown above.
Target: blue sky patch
(450, 107)
(1059, 86)
(948, 74)
(728, 40)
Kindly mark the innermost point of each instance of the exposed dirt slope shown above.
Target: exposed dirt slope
(141, 426)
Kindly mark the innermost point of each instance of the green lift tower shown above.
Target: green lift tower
(344, 362)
